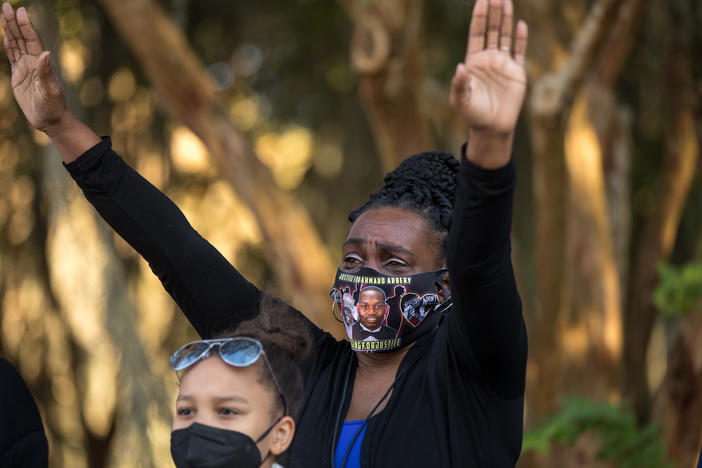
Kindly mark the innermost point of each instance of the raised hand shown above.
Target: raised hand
(488, 88)
(35, 85)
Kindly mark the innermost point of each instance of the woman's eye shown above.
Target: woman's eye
(184, 411)
(395, 262)
(352, 259)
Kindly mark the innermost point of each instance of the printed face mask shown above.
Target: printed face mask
(382, 313)
(200, 446)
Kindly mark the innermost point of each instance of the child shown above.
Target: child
(238, 393)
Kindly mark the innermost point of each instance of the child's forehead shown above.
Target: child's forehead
(212, 373)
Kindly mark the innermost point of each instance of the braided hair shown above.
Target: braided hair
(424, 183)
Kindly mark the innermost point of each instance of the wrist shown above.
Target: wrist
(66, 124)
(488, 149)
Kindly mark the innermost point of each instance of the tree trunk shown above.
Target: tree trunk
(598, 160)
(678, 404)
(385, 55)
(658, 235)
(591, 334)
(295, 249)
(550, 103)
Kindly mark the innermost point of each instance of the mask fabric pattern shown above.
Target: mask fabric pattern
(201, 446)
(382, 313)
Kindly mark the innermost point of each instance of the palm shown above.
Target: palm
(497, 89)
(36, 87)
(489, 86)
(35, 96)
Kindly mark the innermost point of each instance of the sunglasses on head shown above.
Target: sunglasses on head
(239, 351)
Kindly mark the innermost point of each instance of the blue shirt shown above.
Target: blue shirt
(348, 430)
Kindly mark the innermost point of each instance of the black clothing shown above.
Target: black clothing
(383, 333)
(460, 397)
(22, 440)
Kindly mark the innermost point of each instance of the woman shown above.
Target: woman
(448, 389)
(237, 393)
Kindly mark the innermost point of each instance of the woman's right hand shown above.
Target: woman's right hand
(35, 84)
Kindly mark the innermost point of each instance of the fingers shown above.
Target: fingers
(8, 41)
(30, 35)
(6, 44)
(494, 21)
(491, 27)
(460, 86)
(478, 25)
(9, 23)
(44, 68)
(520, 42)
(506, 26)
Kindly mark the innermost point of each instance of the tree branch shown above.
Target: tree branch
(385, 55)
(293, 245)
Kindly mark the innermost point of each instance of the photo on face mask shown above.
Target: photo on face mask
(380, 312)
(415, 308)
(372, 310)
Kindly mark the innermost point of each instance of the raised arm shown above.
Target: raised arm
(211, 293)
(487, 91)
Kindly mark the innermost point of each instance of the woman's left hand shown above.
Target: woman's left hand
(488, 88)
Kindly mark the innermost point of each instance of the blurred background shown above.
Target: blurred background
(267, 122)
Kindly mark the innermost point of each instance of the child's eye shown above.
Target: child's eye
(228, 412)
(184, 411)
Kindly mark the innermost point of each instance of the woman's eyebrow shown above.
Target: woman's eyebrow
(354, 241)
(381, 245)
(396, 249)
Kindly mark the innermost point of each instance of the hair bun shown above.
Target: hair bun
(425, 182)
(278, 325)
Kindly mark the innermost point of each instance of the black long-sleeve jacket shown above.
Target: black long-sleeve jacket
(460, 397)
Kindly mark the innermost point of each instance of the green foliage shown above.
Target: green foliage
(623, 442)
(680, 288)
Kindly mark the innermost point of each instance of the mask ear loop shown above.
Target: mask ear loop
(445, 292)
(338, 319)
(263, 436)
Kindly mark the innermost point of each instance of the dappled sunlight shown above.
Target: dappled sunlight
(329, 160)
(245, 112)
(188, 153)
(73, 58)
(153, 168)
(100, 397)
(575, 341)
(288, 154)
(591, 245)
(657, 355)
(122, 85)
(71, 22)
(92, 92)
(155, 308)
(78, 284)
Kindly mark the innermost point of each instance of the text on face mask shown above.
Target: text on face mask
(374, 279)
(375, 345)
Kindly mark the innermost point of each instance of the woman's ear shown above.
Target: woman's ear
(443, 287)
(282, 433)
